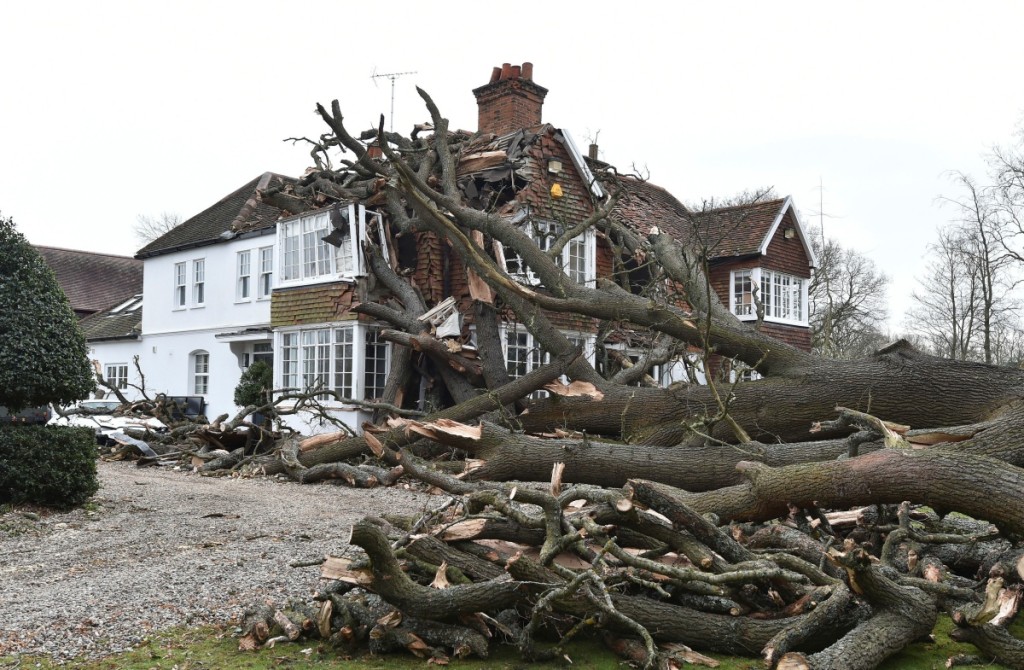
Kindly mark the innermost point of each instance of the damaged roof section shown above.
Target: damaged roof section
(726, 232)
(503, 173)
(237, 213)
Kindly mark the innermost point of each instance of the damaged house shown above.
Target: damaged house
(338, 282)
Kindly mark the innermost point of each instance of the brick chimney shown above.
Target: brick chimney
(510, 101)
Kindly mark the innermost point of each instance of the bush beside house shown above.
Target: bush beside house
(45, 361)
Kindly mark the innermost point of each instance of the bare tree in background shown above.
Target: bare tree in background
(148, 228)
(966, 307)
(847, 302)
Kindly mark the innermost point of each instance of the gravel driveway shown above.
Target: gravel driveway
(158, 548)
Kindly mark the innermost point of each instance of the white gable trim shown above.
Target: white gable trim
(581, 165)
(804, 239)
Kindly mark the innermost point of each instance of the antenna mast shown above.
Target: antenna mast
(392, 76)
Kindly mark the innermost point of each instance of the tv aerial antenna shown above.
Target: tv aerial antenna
(392, 76)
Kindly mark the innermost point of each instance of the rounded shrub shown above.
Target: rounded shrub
(43, 360)
(47, 465)
(43, 352)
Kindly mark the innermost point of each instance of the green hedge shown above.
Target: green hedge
(47, 465)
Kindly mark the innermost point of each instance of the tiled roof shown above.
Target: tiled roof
(643, 205)
(124, 323)
(93, 281)
(726, 231)
(739, 230)
(239, 211)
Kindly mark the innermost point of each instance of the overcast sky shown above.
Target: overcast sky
(115, 109)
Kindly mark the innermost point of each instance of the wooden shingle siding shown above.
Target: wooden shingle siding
(787, 256)
(320, 303)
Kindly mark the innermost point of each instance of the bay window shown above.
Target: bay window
(327, 244)
(350, 360)
(783, 296)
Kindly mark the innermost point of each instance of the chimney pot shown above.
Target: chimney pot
(506, 70)
(528, 71)
(495, 75)
(592, 152)
(516, 71)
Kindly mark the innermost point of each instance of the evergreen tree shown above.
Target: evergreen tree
(42, 348)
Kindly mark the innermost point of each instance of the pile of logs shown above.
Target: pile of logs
(657, 575)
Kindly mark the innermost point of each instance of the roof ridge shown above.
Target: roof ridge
(84, 251)
(715, 210)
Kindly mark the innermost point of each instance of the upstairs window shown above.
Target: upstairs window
(783, 296)
(742, 293)
(577, 259)
(266, 272)
(198, 282)
(180, 295)
(327, 244)
(243, 284)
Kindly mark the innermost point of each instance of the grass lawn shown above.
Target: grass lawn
(212, 649)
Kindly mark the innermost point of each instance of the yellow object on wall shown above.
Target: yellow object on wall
(556, 191)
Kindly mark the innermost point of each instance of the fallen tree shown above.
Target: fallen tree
(629, 537)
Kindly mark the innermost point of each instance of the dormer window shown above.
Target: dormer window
(577, 259)
(327, 244)
(783, 296)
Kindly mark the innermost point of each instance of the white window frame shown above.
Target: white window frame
(243, 281)
(776, 291)
(305, 258)
(199, 373)
(578, 258)
(199, 282)
(181, 285)
(534, 357)
(116, 375)
(266, 276)
(326, 355)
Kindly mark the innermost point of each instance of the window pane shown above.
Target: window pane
(266, 271)
(316, 359)
(517, 354)
(201, 371)
(742, 289)
(199, 282)
(244, 272)
(290, 361)
(577, 259)
(375, 375)
(343, 361)
(290, 252)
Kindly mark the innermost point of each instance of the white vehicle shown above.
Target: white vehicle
(98, 415)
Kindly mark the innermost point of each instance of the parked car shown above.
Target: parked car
(99, 415)
(31, 415)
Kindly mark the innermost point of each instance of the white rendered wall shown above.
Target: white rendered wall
(171, 334)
